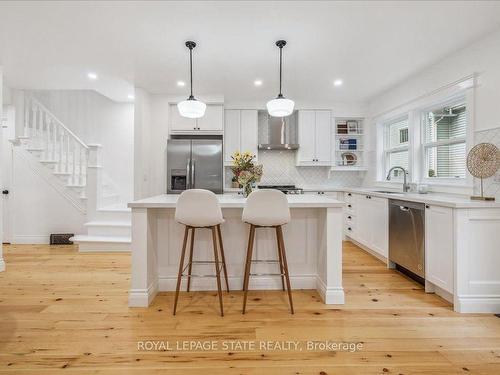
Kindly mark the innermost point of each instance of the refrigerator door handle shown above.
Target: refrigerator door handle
(188, 174)
(193, 174)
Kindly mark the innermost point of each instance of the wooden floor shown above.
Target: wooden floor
(65, 311)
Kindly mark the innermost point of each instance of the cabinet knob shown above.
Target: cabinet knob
(349, 194)
(349, 228)
(5, 192)
(427, 206)
(349, 217)
(349, 206)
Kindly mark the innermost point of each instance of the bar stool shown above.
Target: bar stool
(199, 208)
(267, 208)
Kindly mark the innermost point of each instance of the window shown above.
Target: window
(445, 131)
(403, 135)
(396, 146)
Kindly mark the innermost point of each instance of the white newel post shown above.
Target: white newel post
(93, 186)
(18, 99)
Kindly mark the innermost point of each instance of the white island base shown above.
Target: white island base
(313, 241)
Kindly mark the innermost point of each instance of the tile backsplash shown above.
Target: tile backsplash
(280, 169)
(491, 185)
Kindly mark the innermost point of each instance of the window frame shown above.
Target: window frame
(424, 145)
(387, 151)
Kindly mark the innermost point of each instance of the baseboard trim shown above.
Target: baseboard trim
(2, 265)
(27, 239)
(142, 297)
(168, 283)
(330, 296)
(488, 305)
(103, 247)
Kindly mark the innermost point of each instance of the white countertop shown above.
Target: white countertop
(439, 199)
(237, 201)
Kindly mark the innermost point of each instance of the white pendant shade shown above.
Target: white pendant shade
(280, 107)
(191, 108)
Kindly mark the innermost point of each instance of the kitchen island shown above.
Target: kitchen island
(313, 241)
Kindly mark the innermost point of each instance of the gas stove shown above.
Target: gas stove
(287, 189)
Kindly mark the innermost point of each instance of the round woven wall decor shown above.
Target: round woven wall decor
(483, 160)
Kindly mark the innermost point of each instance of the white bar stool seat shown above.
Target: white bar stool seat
(267, 208)
(199, 208)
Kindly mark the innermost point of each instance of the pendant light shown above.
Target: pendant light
(280, 107)
(191, 107)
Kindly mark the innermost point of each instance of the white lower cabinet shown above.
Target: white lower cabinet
(439, 246)
(372, 223)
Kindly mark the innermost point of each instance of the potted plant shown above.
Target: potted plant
(245, 171)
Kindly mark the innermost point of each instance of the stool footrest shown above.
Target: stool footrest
(200, 262)
(264, 261)
(267, 274)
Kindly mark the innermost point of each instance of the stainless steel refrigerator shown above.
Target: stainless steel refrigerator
(194, 163)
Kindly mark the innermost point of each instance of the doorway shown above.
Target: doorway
(8, 132)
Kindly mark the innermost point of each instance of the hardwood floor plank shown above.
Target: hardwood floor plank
(65, 311)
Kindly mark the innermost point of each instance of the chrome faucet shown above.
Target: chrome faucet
(406, 186)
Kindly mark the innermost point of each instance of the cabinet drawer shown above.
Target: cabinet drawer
(349, 219)
(349, 208)
(349, 230)
(348, 198)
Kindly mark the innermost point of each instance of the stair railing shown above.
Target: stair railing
(57, 143)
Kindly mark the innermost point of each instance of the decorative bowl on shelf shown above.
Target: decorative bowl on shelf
(348, 159)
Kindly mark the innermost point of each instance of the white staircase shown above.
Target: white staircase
(74, 169)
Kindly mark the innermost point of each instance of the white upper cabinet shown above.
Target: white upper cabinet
(179, 123)
(439, 246)
(307, 137)
(240, 132)
(323, 137)
(314, 138)
(249, 131)
(231, 133)
(212, 122)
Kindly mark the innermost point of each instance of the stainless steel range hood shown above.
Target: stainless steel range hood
(277, 133)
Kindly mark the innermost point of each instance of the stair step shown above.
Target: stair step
(108, 223)
(88, 243)
(109, 228)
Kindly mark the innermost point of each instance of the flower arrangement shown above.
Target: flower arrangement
(245, 171)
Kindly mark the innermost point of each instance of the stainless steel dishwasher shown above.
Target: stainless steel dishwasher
(406, 235)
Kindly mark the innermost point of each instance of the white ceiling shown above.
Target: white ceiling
(371, 45)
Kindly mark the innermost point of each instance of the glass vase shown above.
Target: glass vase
(247, 189)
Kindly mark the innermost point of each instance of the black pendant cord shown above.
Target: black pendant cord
(191, 71)
(190, 44)
(280, 44)
(281, 57)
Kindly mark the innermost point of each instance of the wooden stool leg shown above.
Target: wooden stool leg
(248, 265)
(280, 260)
(285, 265)
(222, 256)
(217, 269)
(191, 259)
(181, 266)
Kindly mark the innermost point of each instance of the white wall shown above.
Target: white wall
(481, 58)
(37, 208)
(97, 119)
